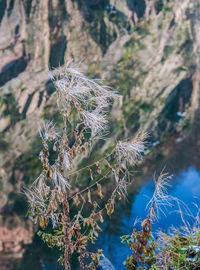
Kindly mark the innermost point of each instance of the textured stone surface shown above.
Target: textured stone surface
(148, 63)
(147, 50)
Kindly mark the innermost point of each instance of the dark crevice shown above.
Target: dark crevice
(50, 87)
(11, 109)
(100, 35)
(56, 17)
(40, 98)
(28, 102)
(58, 40)
(159, 6)
(17, 30)
(10, 8)
(137, 6)
(90, 9)
(27, 7)
(93, 12)
(178, 99)
(176, 105)
(3, 6)
(57, 52)
(13, 69)
(172, 23)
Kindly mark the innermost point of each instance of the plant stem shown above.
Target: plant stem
(66, 227)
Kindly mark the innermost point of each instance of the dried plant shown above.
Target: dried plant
(179, 249)
(54, 201)
(160, 198)
(141, 243)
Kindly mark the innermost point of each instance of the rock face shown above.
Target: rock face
(14, 234)
(149, 50)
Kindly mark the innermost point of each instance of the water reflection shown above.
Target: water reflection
(186, 187)
(39, 256)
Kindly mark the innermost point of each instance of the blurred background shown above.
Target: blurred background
(149, 50)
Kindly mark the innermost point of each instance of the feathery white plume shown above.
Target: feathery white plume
(131, 152)
(95, 120)
(48, 132)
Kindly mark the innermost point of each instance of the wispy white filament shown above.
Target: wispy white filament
(131, 152)
(48, 132)
(95, 120)
(62, 182)
(66, 161)
(59, 181)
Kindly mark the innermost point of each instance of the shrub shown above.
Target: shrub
(54, 199)
(179, 249)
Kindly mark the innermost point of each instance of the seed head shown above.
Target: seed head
(96, 121)
(48, 132)
(131, 152)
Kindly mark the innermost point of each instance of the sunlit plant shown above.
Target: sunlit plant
(178, 249)
(54, 200)
(141, 243)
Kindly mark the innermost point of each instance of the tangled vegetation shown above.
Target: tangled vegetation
(177, 250)
(69, 213)
(55, 202)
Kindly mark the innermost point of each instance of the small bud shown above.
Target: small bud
(89, 196)
(101, 217)
(99, 191)
(76, 200)
(110, 207)
(98, 168)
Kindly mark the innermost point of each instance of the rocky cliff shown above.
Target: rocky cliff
(147, 49)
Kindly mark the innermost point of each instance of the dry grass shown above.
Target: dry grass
(177, 250)
(83, 104)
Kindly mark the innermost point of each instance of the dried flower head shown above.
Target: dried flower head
(160, 198)
(95, 120)
(74, 88)
(48, 132)
(37, 193)
(59, 181)
(83, 104)
(131, 152)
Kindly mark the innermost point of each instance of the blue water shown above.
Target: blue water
(185, 187)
